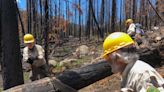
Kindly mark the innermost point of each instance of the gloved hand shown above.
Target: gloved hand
(32, 57)
(30, 61)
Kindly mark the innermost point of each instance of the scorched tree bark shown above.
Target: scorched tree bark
(11, 60)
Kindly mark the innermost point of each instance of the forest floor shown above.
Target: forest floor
(109, 84)
(68, 50)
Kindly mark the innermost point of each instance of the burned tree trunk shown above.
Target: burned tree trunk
(0, 38)
(11, 61)
(85, 76)
(79, 23)
(46, 28)
(95, 20)
(29, 16)
(101, 19)
(113, 15)
(88, 26)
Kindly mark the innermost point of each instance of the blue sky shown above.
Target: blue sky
(21, 4)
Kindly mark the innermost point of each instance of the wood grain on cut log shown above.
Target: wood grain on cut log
(68, 80)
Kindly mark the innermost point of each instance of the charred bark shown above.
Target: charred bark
(84, 76)
(11, 60)
(46, 28)
(113, 23)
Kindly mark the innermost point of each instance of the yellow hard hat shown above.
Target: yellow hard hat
(28, 38)
(128, 21)
(116, 41)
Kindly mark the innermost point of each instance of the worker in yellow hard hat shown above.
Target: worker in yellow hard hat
(130, 27)
(135, 32)
(33, 58)
(137, 76)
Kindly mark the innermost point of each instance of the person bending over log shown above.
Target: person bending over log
(33, 59)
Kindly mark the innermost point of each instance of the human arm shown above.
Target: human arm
(26, 66)
(40, 57)
(40, 52)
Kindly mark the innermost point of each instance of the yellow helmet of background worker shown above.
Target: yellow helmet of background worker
(128, 21)
(116, 41)
(28, 38)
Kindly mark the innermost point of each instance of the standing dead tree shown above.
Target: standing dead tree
(0, 36)
(79, 22)
(21, 22)
(46, 27)
(11, 60)
(113, 20)
(29, 16)
(94, 18)
(156, 11)
(101, 19)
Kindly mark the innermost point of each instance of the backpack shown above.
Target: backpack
(138, 29)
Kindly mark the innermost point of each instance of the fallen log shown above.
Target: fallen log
(43, 85)
(68, 81)
(82, 77)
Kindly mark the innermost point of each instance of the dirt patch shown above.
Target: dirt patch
(109, 84)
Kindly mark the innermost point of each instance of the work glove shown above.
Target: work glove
(30, 61)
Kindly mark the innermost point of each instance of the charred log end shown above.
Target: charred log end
(84, 76)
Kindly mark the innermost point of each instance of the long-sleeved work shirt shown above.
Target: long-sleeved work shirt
(131, 29)
(141, 77)
(39, 67)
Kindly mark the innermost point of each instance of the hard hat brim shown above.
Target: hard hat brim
(111, 51)
(29, 41)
